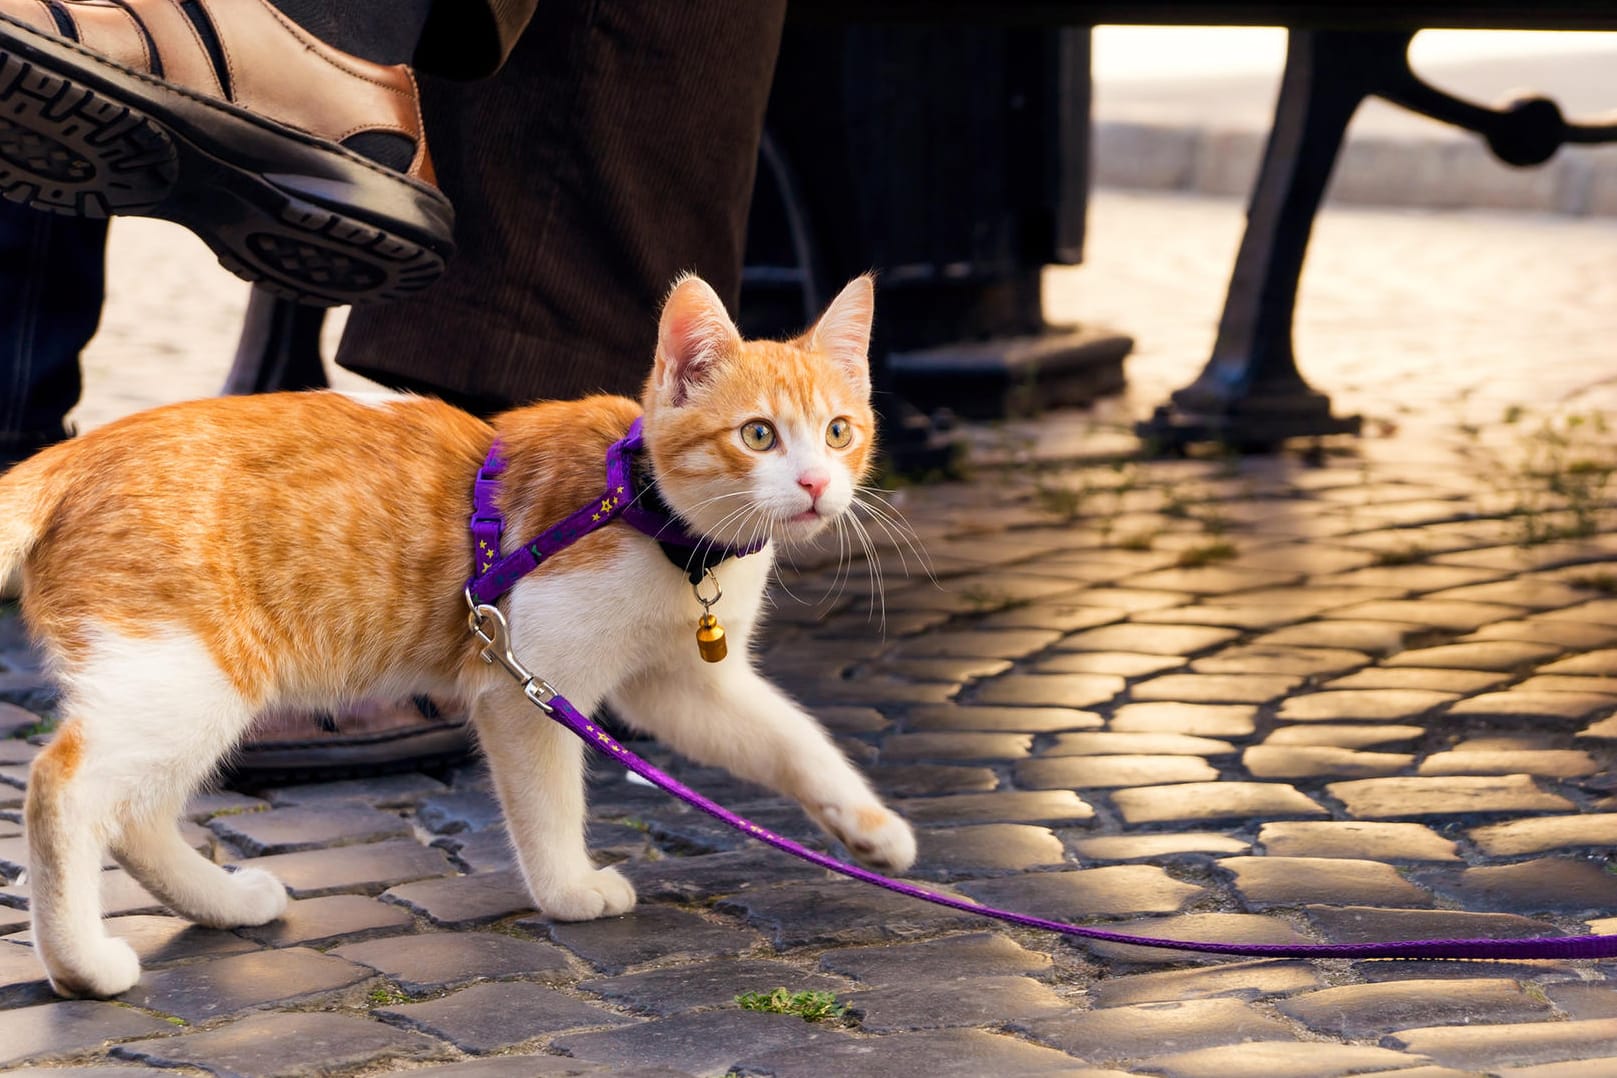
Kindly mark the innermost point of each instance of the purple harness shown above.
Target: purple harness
(495, 576)
(642, 510)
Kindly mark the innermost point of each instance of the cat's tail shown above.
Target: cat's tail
(29, 494)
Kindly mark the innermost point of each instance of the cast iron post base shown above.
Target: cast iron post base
(1251, 393)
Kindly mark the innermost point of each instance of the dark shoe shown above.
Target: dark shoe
(367, 739)
(305, 169)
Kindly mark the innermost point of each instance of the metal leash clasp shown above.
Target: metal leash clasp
(488, 625)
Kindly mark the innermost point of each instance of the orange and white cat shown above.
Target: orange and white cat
(191, 567)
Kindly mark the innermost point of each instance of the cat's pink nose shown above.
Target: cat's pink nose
(814, 481)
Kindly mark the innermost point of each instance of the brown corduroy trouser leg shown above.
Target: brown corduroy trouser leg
(615, 149)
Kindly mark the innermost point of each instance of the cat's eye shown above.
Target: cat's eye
(759, 435)
(839, 433)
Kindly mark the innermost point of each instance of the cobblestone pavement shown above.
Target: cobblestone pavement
(1363, 692)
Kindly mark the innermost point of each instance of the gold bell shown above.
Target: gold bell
(710, 639)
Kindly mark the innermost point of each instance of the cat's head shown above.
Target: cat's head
(755, 439)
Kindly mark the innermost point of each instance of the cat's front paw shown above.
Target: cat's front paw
(876, 836)
(251, 897)
(261, 897)
(601, 892)
(109, 967)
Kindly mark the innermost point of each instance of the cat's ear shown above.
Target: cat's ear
(843, 331)
(694, 334)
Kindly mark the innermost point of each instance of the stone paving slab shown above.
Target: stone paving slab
(1545, 833)
(1196, 802)
(286, 830)
(83, 1072)
(1491, 1047)
(651, 933)
(440, 960)
(709, 1043)
(1146, 1029)
(962, 1002)
(297, 1043)
(1288, 1061)
(312, 922)
(68, 1028)
(945, 1054)
(1545, 885)
(464, 901)
(528, 1066)
(1267, 882)
(1240, 980)
(200, 991)
(1391, 841)
(1158, 847)
(1032, 720)
(1116, 890)
(1402, 797)
(22, 978)
(1364, 1011)
(983, 954)
(794, 915)
(367, 869)
(488, 1017)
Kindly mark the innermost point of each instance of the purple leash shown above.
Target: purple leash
(1543, 947)
(495, 576)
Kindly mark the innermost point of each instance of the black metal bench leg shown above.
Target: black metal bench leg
(279, 347)
(1251, 394)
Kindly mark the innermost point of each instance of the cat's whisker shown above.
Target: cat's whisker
(881, 508)
(902, 537)
(876, 516)
(873, 568)
(791, 557)
(840, 580)
(719, 532)
(893, 512)
(833, 588)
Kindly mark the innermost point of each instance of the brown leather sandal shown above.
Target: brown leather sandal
(305, 169)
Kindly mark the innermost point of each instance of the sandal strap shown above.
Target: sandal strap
(248, 53)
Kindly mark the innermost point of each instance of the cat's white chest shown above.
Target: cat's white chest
(589, 631)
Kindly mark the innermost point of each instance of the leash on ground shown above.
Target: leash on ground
(489, 626)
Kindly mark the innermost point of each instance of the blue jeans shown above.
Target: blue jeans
(52, 273)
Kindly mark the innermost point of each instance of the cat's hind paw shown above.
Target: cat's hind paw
(602, 892)
(108, 968)
(876, 836)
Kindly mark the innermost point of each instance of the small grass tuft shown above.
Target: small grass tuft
(985, 600)
(386, 995)
(1206, 554)
(1408, 554)
(1600, 580)
(1064, 503)
(46, 725)
(809, 1006)
(1138, 541)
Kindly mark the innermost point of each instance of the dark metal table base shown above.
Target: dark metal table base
(1251, 394)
